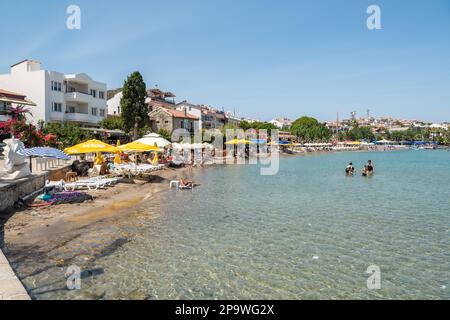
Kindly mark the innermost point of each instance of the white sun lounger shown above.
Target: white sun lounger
(89, 184)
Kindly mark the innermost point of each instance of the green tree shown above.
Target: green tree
(112, 123)
(308, 129)
(360, 133)
(68, 134)
(133, 106)
(245, 125)
(257, 125)
(165, 134)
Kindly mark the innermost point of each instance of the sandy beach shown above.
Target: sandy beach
(58, 223)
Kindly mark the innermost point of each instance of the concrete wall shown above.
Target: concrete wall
(11, 192)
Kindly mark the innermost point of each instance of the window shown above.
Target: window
(71, 110)
(3, 107)
(56, 107)
(102, 112)
(101, 95)
(94, 111)
(94, 93)
(56, 86)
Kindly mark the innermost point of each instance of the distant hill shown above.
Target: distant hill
(112, 93)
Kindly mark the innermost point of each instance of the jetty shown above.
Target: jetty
(10, 286)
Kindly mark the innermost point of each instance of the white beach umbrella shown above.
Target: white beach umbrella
(153, 139)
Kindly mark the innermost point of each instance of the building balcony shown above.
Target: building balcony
(57, 116)
(75, 117)
(82, 117)
(78, 97)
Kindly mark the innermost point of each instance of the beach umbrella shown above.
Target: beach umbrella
(91, 146)
(154, 139)
(238, 141)
(137, 146)
(44, 152)
(259, 141)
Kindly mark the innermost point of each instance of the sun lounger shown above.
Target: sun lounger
(107, 181)
(89, 184)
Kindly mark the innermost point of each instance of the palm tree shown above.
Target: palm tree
(19, 112)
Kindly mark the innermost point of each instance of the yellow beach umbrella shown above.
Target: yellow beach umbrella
(89, 147)
(238, 141)
(137, 146)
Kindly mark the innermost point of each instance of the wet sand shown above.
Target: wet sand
(43, 225)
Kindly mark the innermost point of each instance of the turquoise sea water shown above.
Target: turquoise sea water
(308, 232)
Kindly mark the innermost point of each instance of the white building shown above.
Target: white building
(281, 122)
(193, 110)
(114, 104)
(59, 97)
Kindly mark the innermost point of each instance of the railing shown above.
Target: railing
(78, 91)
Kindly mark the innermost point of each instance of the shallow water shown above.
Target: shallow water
(308, 232)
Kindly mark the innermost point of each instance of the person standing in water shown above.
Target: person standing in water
(350, 169)
(368, 169)
(369, 166)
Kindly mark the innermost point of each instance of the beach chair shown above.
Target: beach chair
(106, 181)
(89, 184)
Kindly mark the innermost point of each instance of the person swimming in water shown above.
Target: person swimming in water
(350, 169)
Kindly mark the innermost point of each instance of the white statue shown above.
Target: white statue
(15, 166)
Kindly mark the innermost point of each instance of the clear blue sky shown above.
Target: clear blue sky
(263, 58)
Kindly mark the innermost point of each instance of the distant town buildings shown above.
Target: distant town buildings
(170, 120)
(58, 97)
(281, 123)
(386, 124)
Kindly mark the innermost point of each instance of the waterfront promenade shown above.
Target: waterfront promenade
(10, 286)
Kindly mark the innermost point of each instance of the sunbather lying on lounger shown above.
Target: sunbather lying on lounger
(186, 184)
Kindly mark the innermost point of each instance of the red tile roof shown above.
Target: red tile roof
(14, 97)
(181, 114)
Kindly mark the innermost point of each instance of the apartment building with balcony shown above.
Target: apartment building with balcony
(58, 97)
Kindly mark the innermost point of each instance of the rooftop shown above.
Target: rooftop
(13, 97)
(181, 114)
